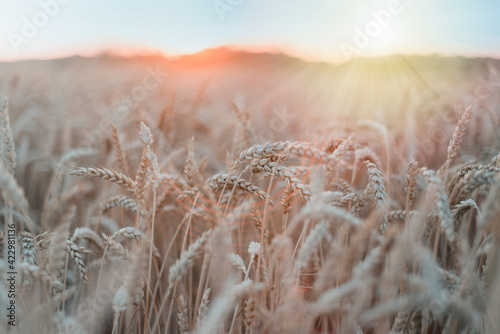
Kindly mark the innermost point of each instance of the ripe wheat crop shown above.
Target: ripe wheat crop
(178, 218)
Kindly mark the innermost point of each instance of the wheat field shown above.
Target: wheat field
(137, 201)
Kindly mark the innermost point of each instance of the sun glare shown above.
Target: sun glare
(388, 41)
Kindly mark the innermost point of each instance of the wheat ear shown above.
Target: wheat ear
(457, 137)
(11, 191)
(221, 181)
(75, 253)
(28, 251)
(10, 158)
(121, 158)
(103, 173)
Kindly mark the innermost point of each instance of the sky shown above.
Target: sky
(326, 30)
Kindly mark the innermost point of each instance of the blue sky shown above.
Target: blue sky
(313, 29)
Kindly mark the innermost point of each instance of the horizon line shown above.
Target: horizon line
(237, 49)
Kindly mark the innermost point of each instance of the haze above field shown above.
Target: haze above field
(322, 30)
(381, 87)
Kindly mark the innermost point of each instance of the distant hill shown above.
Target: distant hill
(363, 85)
